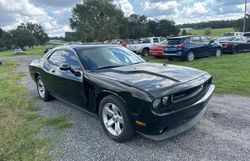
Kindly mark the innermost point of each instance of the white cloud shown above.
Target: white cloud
(159, 5)
(22, 7)
(125, 6)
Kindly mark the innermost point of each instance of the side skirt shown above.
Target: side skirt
(75, 106)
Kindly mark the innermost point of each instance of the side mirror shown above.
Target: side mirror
(65, 67)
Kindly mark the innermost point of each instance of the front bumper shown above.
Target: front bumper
(174, 123)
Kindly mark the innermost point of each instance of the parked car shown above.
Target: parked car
(230, 34)
(191, 47)
(127, 94)
(18, 51)
(157, 50)
(143, 47)
(247, 35)
(234, 44)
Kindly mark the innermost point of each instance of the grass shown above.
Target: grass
(37, 50)
(214, 32)
(20, 122)
(230, 73)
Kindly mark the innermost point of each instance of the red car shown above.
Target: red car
(156, 50)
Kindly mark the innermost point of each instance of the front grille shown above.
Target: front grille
(190, 93)
(186, 97)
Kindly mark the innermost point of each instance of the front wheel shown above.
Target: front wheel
(218, 52)
(115, 120)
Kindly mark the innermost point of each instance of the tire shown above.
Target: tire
(115, 120)
(218, 52)
(41, 90)
(145, 52)
(190, 56)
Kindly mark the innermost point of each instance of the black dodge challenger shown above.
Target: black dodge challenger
(127, 94)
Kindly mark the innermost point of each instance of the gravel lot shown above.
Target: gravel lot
(223, 134)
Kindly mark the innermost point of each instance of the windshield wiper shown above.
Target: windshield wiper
(111, 66)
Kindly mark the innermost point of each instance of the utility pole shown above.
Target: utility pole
(245, 14)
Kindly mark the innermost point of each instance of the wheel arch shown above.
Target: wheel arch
(103, 94)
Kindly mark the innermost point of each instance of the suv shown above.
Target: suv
(226, 34)
(191, 47)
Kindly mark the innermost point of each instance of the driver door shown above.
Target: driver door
(65, 84)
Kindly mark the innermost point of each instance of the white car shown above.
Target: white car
(143, 47)
(18, 51)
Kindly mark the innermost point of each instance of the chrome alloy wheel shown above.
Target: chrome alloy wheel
(112, 119)
(41, 88)
(190, 56)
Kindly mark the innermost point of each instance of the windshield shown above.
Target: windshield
(226, 38)
(228, 34)
(107, 57)
(174, 41)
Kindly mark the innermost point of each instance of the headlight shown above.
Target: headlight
(165, 100)
(156, 103)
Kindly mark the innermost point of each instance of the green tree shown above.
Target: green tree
(71, 36)
(184, 32)
(168, 28)
(207, 32)
(238, 26)
(37, 31)
(96, 20)
(6, 40)
(22, 38)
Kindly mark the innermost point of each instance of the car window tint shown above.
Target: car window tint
(162, 39)
(174, 41)
(146, 41)
(156, 40)
(107, 56)
(195, 39)
(62, 56)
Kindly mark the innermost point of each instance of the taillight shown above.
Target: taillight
(179, 46)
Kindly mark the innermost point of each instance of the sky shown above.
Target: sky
(54, 15)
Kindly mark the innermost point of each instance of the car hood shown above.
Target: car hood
(151, 77)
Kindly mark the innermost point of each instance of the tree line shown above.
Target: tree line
(236, 24)
(28, 34)
(99, 20)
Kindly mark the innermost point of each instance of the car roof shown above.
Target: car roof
(181, 37)
(84, 46)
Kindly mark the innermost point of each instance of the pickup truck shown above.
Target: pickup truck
(143, 47)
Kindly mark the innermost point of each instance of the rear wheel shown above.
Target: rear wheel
(41, 90)
(190, 56)
(145, 52)
(115, 120)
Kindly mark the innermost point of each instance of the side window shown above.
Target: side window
(155, 40)
(162, 39)
(146, 41)
(62, 56)
(195, 39)
(238, 39)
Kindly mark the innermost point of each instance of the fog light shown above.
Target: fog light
(156, 103)
(165, 100)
